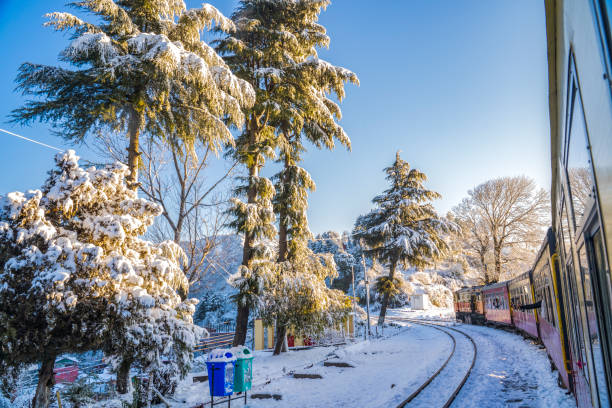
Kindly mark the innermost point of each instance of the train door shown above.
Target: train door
(575, 330)
(594, 272)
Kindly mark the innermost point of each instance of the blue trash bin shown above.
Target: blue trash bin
(220, 365)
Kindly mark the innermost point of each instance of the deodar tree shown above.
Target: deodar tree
(305, 113)
(76, 276)
(403, 228)
(274, 49)
(255, 51)
(141, 69)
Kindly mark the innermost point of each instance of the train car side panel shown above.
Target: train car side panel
(521, 300)
(548, 313)
(497, 304)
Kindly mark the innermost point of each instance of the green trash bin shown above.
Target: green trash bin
(243, 370)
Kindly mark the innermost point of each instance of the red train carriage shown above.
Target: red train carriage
(496, 304)
(551, 320)
(524, 314)
(469, 306)
(66, 370)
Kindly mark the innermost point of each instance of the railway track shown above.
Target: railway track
(449, 331)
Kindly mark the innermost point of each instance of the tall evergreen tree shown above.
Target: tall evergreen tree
(403, 228)
(305, 113)
(142, 68)
(256, 51)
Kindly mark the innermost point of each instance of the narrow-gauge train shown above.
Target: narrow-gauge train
(571, 277)
(539, 303)
(565, 300)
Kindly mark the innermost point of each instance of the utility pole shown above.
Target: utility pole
(367, 285)
(353, 277)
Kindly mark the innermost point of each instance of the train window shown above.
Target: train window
(550, 307)
(543, 308)
(565, 234)
(593, 329)
(578, 163)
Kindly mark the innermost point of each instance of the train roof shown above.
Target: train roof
(468, 289)
(524, 275)
(495, 285)
(549, 241)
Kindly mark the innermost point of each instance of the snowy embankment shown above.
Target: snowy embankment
(509, 371)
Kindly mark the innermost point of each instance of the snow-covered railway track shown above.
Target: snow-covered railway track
(450, 331)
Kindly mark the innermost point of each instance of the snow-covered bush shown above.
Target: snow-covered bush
(79, 394)
(75, 276)
(440, 295)
(421, 277)
(295, 294)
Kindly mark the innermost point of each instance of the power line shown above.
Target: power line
(31, 140)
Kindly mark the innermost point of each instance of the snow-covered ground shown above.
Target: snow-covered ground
(509, 371)
(434, 313)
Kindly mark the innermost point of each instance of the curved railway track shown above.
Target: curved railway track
(449, 332)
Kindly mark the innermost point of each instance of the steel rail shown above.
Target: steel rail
(430, 379)
(434, 375)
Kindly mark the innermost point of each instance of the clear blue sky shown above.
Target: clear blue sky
(459, 86)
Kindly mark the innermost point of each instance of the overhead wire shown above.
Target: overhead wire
(30, 140)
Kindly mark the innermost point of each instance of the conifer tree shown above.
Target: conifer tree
(142, 69)
(255, 51)
(403, 228)
(76, 276)
(274, 49)
(306, 113)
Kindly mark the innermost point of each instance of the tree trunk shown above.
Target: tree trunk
(242, 315)
(385, 300)
(279, 341)
(45, 383)
(484, 268)
(497, 254)
(134, 125)
(282, 238)
(282, 222)
(242, 322)
(123, 377)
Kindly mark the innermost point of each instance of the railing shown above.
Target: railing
(215, 340)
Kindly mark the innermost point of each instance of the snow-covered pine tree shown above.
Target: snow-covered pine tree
(75, 275)
(403, 228)
(304, 112)
(141, 69)
(255, 220)
(256, 51)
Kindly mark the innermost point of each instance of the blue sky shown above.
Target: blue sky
(458, 86)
